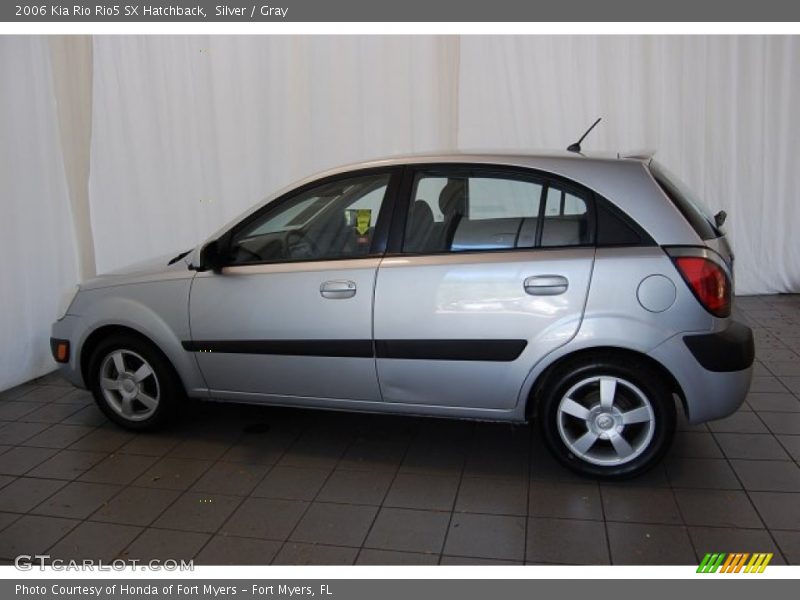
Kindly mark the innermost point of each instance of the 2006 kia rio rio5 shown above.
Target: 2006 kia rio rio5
(590, 293)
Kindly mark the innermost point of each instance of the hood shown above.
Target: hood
(145, 270)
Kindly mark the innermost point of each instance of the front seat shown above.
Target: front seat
(420, 227)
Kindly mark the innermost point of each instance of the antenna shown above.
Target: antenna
(576, 147)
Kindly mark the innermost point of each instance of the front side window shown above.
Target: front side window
(333, 220)
(458, 213)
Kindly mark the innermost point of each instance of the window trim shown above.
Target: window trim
(382, 224)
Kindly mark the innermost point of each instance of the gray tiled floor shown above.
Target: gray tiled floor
(316, 487)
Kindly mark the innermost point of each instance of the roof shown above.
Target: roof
(508, 157)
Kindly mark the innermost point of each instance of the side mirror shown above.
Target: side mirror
(211, 258)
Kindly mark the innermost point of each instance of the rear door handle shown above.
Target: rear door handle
(546, 285)
(338, 289)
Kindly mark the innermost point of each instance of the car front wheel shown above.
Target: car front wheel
(133, 383)
(607, 419)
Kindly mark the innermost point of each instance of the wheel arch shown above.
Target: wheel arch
(104, 332)
(606, 353)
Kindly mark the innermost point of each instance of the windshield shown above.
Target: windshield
(691, 206)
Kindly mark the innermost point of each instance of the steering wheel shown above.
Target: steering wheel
(299, 245)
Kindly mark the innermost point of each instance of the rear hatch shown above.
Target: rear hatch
(707, 225)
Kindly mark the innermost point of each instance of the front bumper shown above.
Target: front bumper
(60, 350)
(65, 331)
(713, 370)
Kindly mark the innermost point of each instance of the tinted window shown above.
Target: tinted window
(461, 213)
(494, 198)
(690, 206)
(614, 228)
(333, 220)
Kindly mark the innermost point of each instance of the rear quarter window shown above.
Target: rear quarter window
(615, 228)
(689, 205)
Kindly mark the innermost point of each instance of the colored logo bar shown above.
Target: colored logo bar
(736, 562)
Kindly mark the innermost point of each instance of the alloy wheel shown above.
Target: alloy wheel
(606, 420)
(129, 385)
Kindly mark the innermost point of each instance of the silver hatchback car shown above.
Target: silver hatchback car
(590, 293)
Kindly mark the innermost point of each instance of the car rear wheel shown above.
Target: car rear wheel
(607, 419)
(133, 383)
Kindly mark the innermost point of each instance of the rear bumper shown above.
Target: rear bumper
(713, 370)
(723, 352)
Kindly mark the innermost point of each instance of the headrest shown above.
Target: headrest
(422, 212)
(453, 197)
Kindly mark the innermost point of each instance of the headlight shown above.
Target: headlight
(66, 302)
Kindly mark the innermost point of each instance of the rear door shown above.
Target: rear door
(489, 275)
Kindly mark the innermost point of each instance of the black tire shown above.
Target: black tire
(163, 379)
(650, 439)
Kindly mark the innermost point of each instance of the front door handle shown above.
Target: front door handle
(338, 289)
(546, 285)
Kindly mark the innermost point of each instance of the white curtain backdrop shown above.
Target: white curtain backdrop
(37, 242)
(188, 131)
(721, 111)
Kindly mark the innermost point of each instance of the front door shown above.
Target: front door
(290, 315)
(492, 275)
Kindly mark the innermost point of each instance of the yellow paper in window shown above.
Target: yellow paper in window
(363, 219)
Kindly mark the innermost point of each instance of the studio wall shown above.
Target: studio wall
(37, 235)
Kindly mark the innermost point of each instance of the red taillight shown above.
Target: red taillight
(709, 283)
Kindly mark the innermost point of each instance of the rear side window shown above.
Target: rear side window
(691, 207)
(460, 213)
